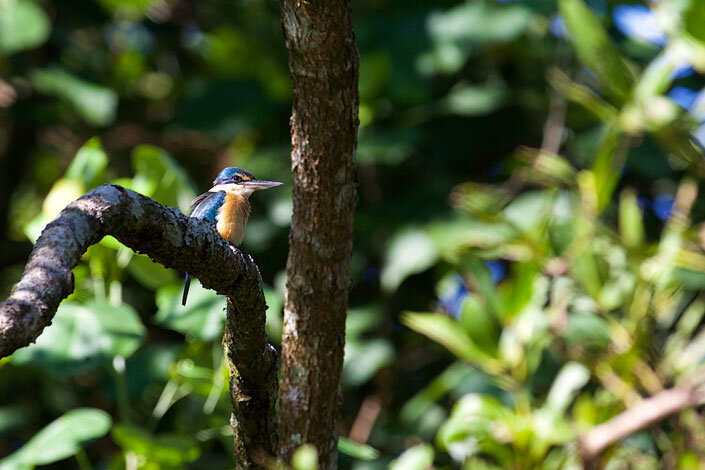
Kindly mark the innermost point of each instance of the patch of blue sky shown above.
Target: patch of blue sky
(684, 97)
(452, 299)
(638, 22)
(557, 27)
(127, 36)
(663, 206)
(498, 270)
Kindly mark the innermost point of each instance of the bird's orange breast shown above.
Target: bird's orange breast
(232, 218)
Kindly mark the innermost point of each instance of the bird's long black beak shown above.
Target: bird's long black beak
(260, 184)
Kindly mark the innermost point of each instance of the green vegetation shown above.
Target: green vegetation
(528, 257)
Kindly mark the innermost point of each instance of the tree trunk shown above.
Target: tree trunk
(323, 62)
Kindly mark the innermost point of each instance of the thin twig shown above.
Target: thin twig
(638, 416)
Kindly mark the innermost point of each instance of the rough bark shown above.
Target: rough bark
(175, 241)
(323, 63)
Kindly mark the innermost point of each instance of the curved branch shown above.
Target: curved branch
(637, 417)
(177, 242)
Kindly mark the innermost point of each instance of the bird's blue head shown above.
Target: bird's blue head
(233, 174)
(234, 179)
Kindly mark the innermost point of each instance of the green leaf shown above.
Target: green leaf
(305, 458)
(23, 25)
(419, 457)
(571, 378)
(160, 177)
(95, 104)
(12, 417)
(356, 450)
(410, 252)
(547, 168)
(607, 165)
(529, 210)
(481, 199)
(60, 439)
(447, 380)
(275, 322)
(467, 28)
(595, 49)
(150, 274)
(88, 164)
(588, 330)
(693, 19)
(448, 332)
(361, 320)
(165, 450)
(631, 220)
(480, 324)
(473, 100)
(451, 236)
(84, 336)
(481, 279)
(582, 95)
(474, 416)
(364, 358)
(203, 316)
(519, 289)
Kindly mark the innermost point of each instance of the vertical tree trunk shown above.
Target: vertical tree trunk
(323, 62)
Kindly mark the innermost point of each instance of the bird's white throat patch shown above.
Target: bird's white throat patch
(232, 188)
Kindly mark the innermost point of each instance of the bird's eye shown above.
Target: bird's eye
(237, 179)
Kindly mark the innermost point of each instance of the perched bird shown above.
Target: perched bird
(227, 206)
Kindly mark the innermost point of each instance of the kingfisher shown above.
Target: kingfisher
(227, 206)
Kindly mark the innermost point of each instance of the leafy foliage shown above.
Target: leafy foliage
(528, 258)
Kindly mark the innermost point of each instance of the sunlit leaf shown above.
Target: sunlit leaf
(88, 164)
(583, 95)
(595, 49)
(356, 450)
(363, 358)
(148, 273)
(305, 458)
(160, 177)
(410, 252)
(95, 104)
(571, 378)
(23, 25)
(469, 430)
(274, 323)
(587, 330)
(631, 225)
(481, 325)
(419, 457)
(693, 17)
(468, 27)
(84, 336)
(203, 316)
(472, 100)
(529, 210)
(480, 199)
(547, 168)
(169, 450)
(436, 389)
(60, 439)
(480, 277)
(448, 333)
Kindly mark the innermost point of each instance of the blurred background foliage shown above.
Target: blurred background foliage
(528, 250)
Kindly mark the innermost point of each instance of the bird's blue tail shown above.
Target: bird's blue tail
(187, 283)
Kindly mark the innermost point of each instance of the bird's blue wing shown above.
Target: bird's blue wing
(207, 205)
